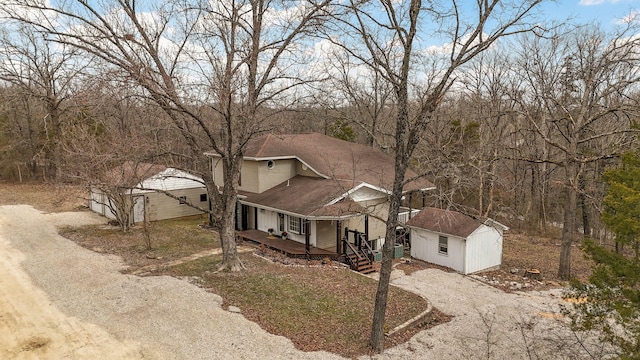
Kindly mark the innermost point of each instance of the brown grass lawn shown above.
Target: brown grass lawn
(44, 197)
(522, 251)
(317, 307)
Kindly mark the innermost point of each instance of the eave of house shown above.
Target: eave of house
(310, 217)
(382, 191)
(307, 197)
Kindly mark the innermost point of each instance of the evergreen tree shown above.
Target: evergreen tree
(612, 294)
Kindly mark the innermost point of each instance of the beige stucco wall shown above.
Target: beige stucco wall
(257, 177)
(249, 180)
(378, 210)
(300, 170)
(281, 172)
(326, 234)
(218, 175)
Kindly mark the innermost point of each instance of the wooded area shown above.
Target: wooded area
(512, 118)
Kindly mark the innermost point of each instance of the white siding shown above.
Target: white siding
(138, 208)
(96, 203)
(484, 249)
(161, 206)
(301, 237)
(267, 219)
(365, 194)
(424, 246)
(99, 203)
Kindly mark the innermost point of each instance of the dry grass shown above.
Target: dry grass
(170, 240)
(44, 197)
(318, 308)
(522, 251)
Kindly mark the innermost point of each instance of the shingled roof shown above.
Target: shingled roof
(446, 222)
(332, 158)
(307, 196)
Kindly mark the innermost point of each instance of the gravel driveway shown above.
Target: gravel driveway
(107, 314)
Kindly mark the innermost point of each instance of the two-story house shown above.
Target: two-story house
(313, 186)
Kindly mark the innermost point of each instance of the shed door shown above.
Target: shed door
(139, 208)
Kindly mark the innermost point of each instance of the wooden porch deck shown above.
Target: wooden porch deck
(288, 247)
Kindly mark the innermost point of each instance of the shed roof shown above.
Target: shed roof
(130, 173)
(446, 221)
(170, 179)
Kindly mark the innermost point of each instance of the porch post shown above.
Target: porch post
(410, 201)
(366, 225)
(307, 236)
(338, 237)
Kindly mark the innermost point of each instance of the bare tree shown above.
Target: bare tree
(384, 36)
(213, 67)
(43, 74)
(367, 96)
(579, 98)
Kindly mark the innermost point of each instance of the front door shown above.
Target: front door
(245, 217)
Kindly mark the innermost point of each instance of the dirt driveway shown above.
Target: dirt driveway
(58, 300)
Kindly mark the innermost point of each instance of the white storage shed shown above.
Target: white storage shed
(455, 240)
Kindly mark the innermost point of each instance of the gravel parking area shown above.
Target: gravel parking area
(59, 300)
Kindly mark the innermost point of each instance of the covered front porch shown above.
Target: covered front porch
(289, 247)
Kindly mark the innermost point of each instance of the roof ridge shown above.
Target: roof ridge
(264, 144)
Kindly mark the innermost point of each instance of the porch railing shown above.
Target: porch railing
(405, 214)
(361, 249)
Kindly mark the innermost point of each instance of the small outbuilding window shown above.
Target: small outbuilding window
(182, 199)
(203, 197)
(443, 245)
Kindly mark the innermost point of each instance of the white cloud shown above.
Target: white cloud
(633, 16)
(596, 2)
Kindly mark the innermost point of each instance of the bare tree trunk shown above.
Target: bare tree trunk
(584, 206)
(564, 270)
(377, 326)
(230, 260)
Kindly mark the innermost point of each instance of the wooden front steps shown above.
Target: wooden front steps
(360, 263)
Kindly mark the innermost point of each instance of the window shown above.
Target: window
(443, 244)
(296, 225)
(203, 197)
(182, 199)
